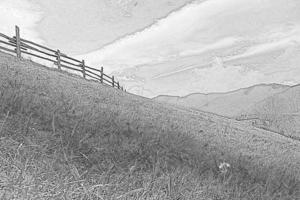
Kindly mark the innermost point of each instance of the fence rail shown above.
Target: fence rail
(19, 46)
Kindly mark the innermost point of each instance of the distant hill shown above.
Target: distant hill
(280, 112)
(287, 102)
(229, 104)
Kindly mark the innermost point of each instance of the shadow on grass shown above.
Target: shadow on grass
(54, 145)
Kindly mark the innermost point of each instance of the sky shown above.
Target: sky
(183, 47)
(22, 13)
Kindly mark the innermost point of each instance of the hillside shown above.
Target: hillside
(280, 112)
(229, 104)
(62, 137)
(289, 101)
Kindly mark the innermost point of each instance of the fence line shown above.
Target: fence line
(61, 60)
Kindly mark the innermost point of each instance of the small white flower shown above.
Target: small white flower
(224, 167)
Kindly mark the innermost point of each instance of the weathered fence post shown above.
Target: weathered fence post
(58, 59)
(101, 75)
(113, 81)
(18, 42)
(118, 85)
(83, 68)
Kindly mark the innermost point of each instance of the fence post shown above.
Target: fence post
(18, 42)
(113, 81)
(58, 59)
(101, 75)
(83, 68)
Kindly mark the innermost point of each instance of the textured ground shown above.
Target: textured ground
(100, 131)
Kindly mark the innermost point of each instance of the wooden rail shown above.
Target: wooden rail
(18, 46)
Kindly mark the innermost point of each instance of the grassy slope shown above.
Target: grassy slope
(65, 137)
(281, 110)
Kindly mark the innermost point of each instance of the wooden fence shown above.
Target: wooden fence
(62, 61)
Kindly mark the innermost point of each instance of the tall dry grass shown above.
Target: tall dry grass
(56, 145)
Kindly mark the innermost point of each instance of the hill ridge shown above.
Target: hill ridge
(229, 92)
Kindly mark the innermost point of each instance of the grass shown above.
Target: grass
(62, 137)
